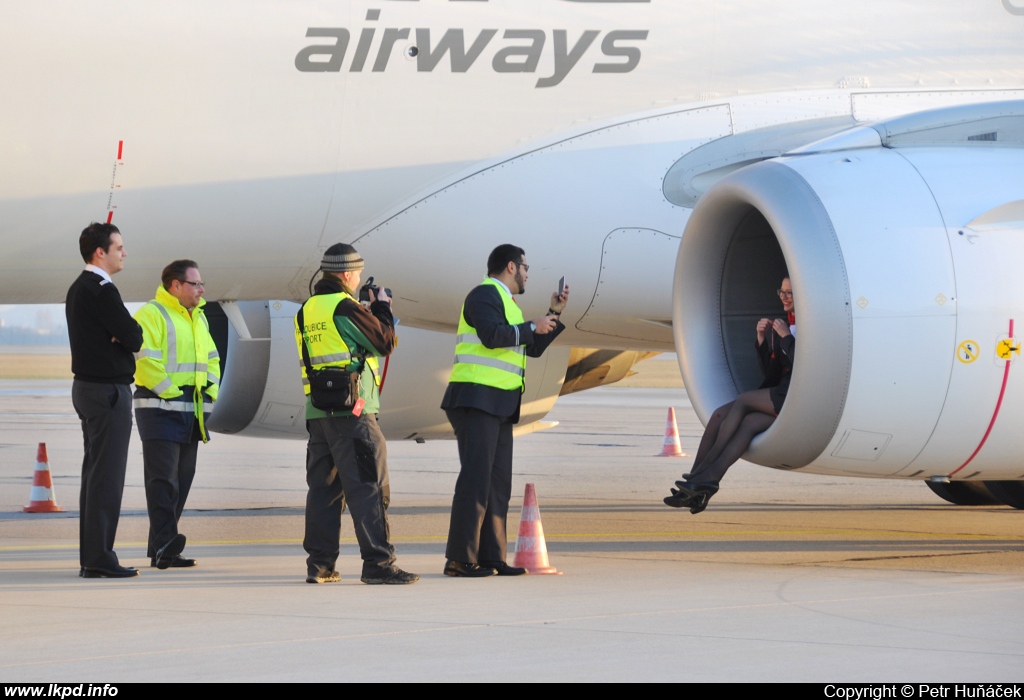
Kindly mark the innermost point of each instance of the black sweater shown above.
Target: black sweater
(95, 315)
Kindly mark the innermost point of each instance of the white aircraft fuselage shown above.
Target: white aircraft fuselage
(250, 136)
(233, 154)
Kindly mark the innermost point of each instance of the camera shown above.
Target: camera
(364, 291)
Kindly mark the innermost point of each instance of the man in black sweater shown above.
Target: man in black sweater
(104, 337)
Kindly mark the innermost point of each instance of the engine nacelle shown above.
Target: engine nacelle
(261, 389)
(904, 244)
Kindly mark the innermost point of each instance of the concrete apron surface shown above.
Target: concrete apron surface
(786, 576)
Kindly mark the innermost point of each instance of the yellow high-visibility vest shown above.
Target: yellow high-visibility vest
(502, 368)
(324, 343)
(177, 351)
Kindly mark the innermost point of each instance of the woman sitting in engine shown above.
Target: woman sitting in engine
(733, 426)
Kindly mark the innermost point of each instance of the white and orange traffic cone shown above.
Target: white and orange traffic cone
(41, 498)
(671, 447)
(531, 548)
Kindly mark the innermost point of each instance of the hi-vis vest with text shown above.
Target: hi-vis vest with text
(501, 368)
(323, 341)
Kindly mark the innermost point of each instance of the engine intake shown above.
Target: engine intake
(738, 244)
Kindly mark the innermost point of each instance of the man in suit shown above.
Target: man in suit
(482, 403)
(103, 337)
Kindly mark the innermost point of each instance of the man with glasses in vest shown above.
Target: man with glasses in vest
(177, 377)
(346, 456)
(482, 404)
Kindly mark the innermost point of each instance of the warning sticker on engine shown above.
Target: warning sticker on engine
(1008, 349)
(967, 352)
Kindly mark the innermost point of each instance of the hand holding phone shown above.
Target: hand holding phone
(559, 298)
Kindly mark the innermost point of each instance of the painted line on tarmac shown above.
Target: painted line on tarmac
(866, 534)
(562, 537)
(769, 535)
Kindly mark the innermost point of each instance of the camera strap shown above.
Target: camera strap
(302, 335)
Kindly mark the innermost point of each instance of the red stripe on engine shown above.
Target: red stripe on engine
(999, 403)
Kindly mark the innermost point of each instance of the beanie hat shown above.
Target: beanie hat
(341, 257)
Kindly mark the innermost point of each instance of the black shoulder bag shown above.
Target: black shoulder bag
(330, 388)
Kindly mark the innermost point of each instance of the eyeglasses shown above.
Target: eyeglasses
(786, 293)
(197, 285)
(523, 265)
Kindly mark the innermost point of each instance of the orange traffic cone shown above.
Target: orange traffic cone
(531, 549)
(671, 448)
(41, 498)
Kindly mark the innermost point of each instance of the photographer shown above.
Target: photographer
(339, 341)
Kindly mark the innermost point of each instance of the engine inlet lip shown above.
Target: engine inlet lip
(805, 233)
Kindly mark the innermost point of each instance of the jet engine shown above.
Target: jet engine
(904, 243)
(261, 388)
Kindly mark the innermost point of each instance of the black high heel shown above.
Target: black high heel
(678, 499)
(700, 500)
(694, 496)
(685, 482)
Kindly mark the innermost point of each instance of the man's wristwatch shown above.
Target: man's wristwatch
(533, 327)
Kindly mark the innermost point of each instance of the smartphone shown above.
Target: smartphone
(561, 285)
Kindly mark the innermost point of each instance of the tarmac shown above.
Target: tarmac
(786, 576)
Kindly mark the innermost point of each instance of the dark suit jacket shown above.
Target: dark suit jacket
(485, 311)
(776, 357)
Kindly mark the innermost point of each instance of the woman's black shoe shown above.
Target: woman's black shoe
(691, 495)
(680, 498)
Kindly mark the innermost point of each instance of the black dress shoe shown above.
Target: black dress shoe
(175, 562)
(504, 569)
(458, 568)
(117, 572)
(166, 554)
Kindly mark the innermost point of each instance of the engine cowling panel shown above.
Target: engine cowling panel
(901, 256)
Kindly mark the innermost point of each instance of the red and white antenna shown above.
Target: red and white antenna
(119, 161)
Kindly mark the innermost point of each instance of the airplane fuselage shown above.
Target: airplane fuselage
(251, 136)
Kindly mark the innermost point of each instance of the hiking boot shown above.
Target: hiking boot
(392, 577)
(324, 575)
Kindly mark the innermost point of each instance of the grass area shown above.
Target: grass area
(35, 366)
(655, 373)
